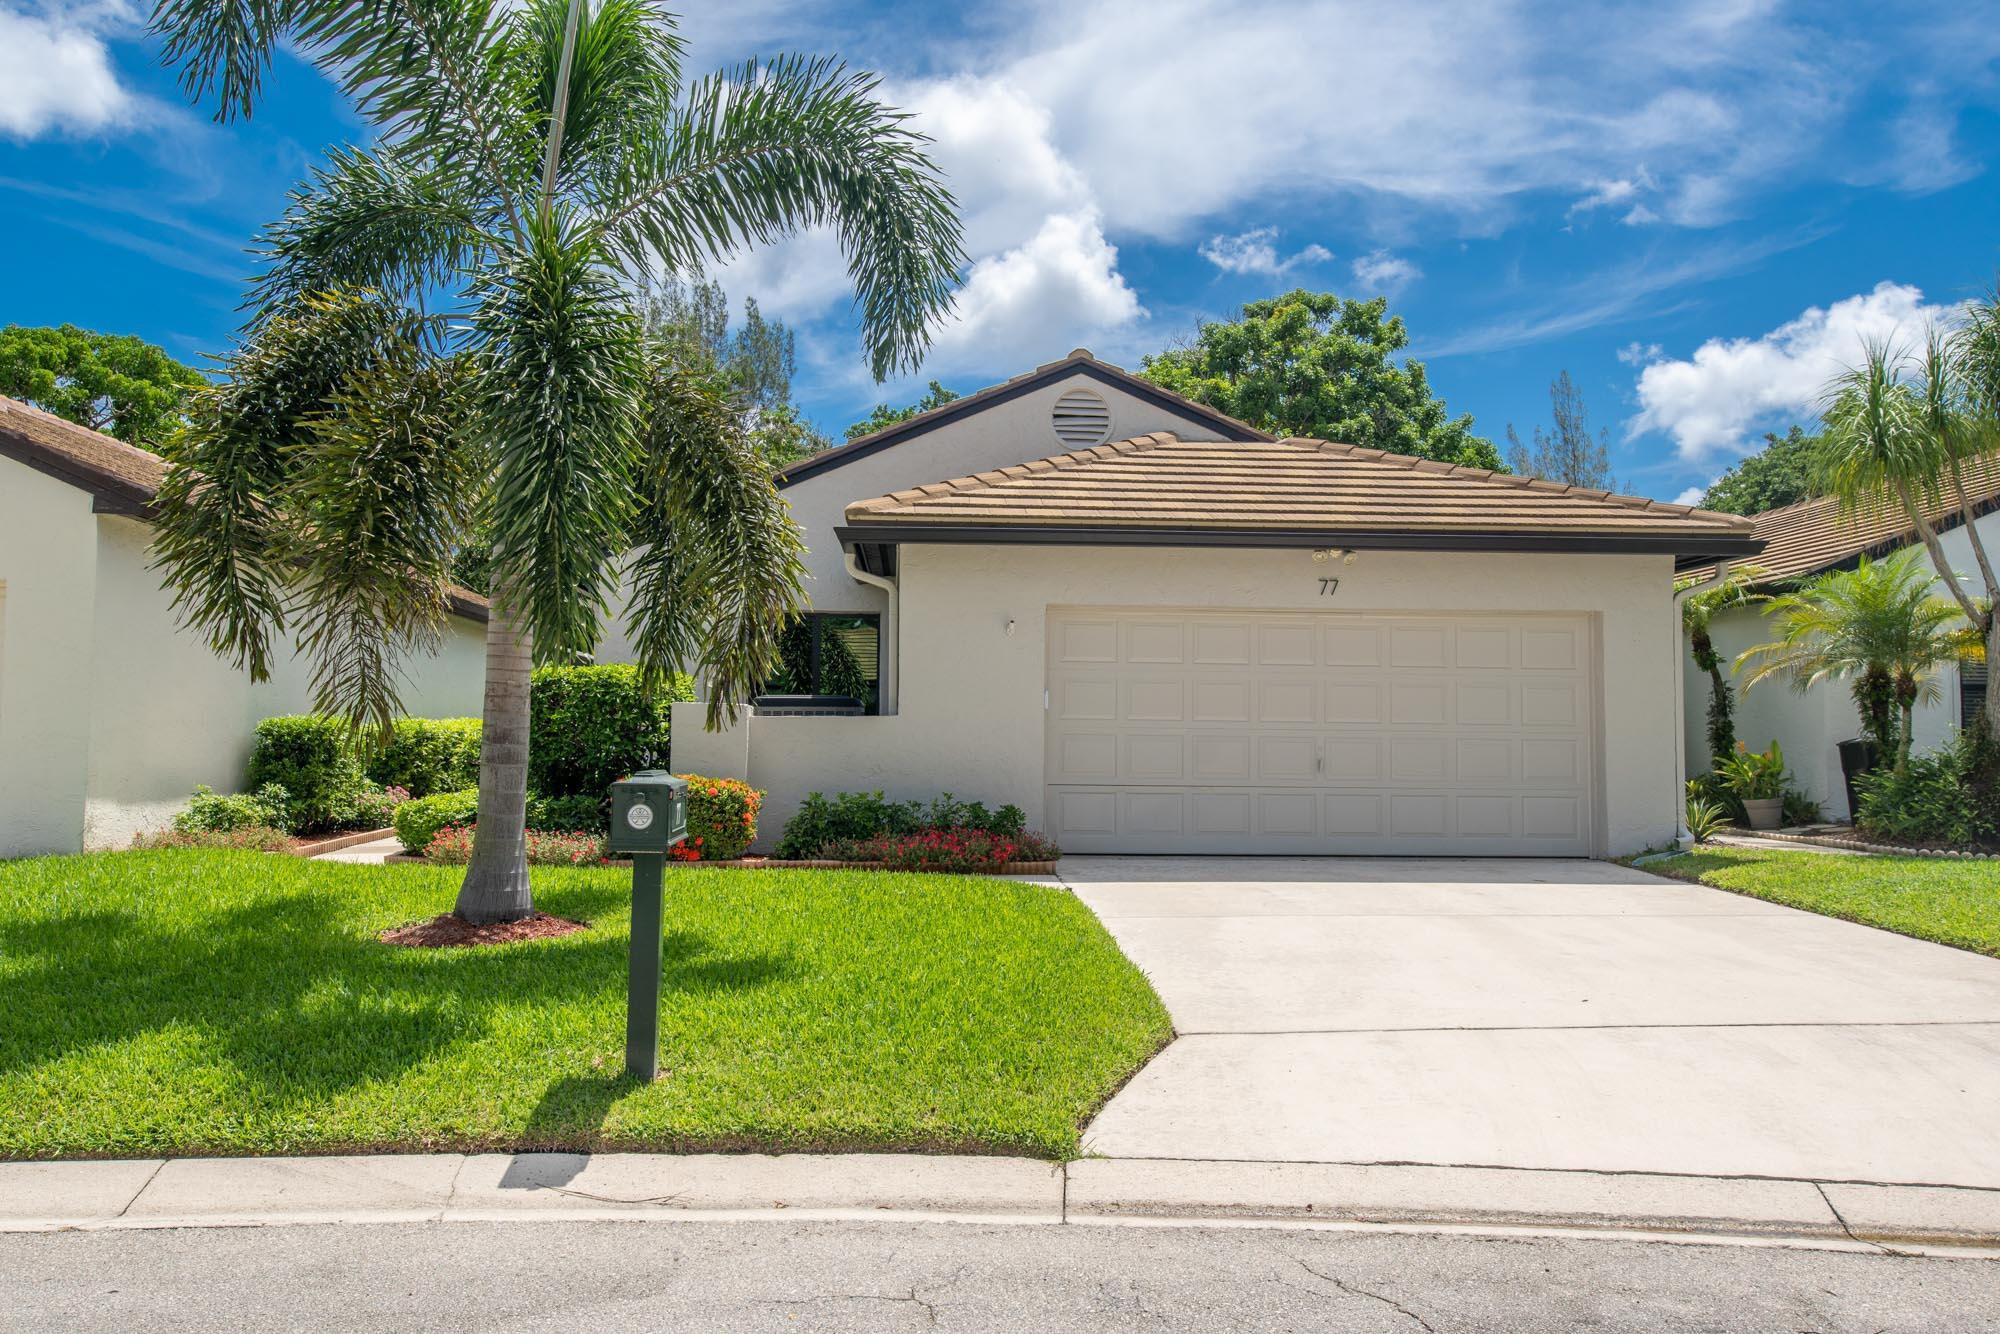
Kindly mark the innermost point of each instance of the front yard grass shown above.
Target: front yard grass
(239, 1003)
(1951, 902)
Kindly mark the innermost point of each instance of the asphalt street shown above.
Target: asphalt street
(943, 1276)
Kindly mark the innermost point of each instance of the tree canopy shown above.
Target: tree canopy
(1567, 452)
(1317, 364)
(885, 416)
(115, 383)
(756, 361)
(1778, 474)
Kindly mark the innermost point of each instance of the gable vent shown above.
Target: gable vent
(1081, 419)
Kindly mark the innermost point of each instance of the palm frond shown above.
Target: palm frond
(219, 536)
(761, 152)
(625, 75)
(223, 47)
(718, 565)
(558, 407)
(1875, 445)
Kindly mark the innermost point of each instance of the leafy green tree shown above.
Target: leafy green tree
(1880, 628)
(1900, 431)
(525, 161)
(1567, 453)
(1779, 474)
(884, 416)
(1314, 364)
(757, 361)
(115, 383)
(1698, 612)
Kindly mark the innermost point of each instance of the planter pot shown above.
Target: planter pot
(1764, 812)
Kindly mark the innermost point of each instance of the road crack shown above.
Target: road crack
(1356, 1290)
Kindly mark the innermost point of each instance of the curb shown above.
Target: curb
(339, 841)
(1862, 845)
(124, 1194)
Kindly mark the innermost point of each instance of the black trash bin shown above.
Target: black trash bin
(1857, 757)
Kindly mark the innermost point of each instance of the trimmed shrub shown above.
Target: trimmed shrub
(313, 758)
(209, 812)
(947, 812)
(569, 814)
(418, 820)
(427, 755)
(821, 820)
(375, 807)
(591, 726)
(722, 818)
(453, 847)
(965, 850)
(1929, 802)
(249, 838)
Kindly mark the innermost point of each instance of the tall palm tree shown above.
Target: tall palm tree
(1880, 628)
(444, 335)
(1738, 588)
(1900, 430)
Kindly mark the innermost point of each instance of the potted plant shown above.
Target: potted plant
(1757, 779)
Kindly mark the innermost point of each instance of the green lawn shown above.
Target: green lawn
(236, 1002)
(1951, 902)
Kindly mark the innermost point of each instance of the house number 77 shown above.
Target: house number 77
(1328, 587)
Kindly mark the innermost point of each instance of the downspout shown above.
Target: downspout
(1682, 838)
(892, 634)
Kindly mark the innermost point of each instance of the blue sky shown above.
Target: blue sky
(1696, 208)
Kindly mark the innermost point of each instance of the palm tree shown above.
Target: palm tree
(445, 338)
(1877, 626)
(1698, 612)
(1900, 430)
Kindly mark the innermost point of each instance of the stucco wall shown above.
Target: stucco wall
(48, 560)
(110, 713)
(1810, 723)
(971, 717)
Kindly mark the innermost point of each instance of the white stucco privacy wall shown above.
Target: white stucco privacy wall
(1809, 724)
(971, 713)
(110, 713)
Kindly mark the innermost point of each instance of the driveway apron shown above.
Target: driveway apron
(1543, 1014)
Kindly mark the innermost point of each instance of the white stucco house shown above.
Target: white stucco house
(1811, 538)
(110, 713)
(1156, 629)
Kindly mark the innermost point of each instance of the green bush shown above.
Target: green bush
(427, 755)
(591, 726)
(418, 820)
(845, 817)
(722, 818)
(1928, 802)
(209, 812)
(250, 838)
(375, 807)
(313, 758)
(579, 814)
(849, 816)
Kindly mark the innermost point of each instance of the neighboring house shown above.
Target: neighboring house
(1810, 538)
(110, 712)
(1158, 630)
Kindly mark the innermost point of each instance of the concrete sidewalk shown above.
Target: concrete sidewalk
(393, 1188)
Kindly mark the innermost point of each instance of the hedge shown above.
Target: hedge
(591, 726)
(418, 821)
(313, 759)
(427, 755)
(722, 818)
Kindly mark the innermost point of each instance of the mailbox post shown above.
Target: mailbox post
(648, 816)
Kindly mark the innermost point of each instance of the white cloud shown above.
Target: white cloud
(1731, 388)
(1034, 302)
(1256, 251)
(1383, 274)
(1691, 496)
(56, 74)
(1638, 354)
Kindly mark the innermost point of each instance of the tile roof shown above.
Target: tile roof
(1293, 485)
(1078, 361)
(121, 478)
(1813, 535)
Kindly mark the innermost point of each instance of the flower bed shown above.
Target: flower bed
(452, 846)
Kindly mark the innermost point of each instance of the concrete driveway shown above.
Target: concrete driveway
(1559, 1015)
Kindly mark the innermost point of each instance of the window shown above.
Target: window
(831, 653)
(1971, 691)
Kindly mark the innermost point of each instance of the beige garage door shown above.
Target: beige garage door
(1279, 733)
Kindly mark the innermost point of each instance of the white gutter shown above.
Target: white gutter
(1682, 838)
(890, 649)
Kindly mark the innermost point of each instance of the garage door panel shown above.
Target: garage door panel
(1343, 733)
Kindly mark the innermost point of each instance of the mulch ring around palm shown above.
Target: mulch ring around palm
(448, 931)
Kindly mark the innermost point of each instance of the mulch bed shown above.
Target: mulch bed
(448, 931)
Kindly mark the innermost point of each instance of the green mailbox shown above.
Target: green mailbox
(649, 812)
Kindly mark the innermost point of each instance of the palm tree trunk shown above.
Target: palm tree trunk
(1936, 550)
(496, 883)
(1991, 709)
(1965, 509)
